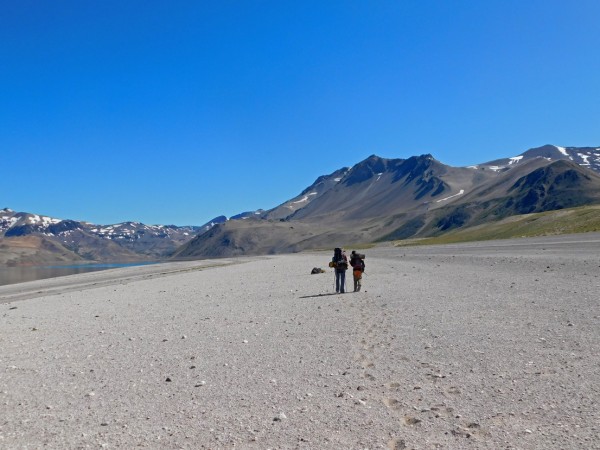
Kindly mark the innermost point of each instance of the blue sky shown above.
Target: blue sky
(176, 112)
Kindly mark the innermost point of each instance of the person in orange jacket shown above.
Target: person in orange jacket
(358, 267)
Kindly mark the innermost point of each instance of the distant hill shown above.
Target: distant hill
(70, 240)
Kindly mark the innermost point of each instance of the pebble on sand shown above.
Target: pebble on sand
(279, 417)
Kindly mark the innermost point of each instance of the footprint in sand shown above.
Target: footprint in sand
(442, 411)
(409, 420)
(368, 376)
(470, 430)
(363, 360)
(391, 403)
(435, 377)
(396, 444)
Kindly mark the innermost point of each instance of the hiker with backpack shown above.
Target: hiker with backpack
(340, 264)
(357, 261)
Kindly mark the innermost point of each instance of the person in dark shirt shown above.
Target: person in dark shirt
(340, 264)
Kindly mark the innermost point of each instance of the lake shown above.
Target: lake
(12, 275)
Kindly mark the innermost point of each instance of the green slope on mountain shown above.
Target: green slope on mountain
(565, 221)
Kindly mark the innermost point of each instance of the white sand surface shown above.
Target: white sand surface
(488, 345)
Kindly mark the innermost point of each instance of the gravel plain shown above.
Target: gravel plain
(490, 345)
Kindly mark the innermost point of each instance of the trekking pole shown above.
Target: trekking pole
(334, 279)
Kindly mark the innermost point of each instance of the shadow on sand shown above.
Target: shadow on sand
(321, 295)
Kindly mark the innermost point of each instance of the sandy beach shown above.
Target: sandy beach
(484, 345)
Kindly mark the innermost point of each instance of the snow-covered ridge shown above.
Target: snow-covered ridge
(17, 224)
(588, 157)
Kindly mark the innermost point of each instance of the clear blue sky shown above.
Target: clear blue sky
(179, 111)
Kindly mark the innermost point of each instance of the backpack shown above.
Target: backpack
(339, 261)
(337, 254)
(357, 261)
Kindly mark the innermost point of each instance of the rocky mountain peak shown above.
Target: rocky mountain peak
(365, 169)
(413, 168)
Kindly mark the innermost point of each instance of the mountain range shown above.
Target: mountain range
(32, 239)
(382, 199)
(377, 199)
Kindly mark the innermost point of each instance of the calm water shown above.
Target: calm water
(11, 275)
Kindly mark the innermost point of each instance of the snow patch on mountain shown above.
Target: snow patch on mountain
(585, 158)
(563, 150)
(302, 200)
(7, 222)
(461, 192)
(515, 159)
(588, 157)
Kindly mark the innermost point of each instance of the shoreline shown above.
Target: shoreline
(106, 277)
